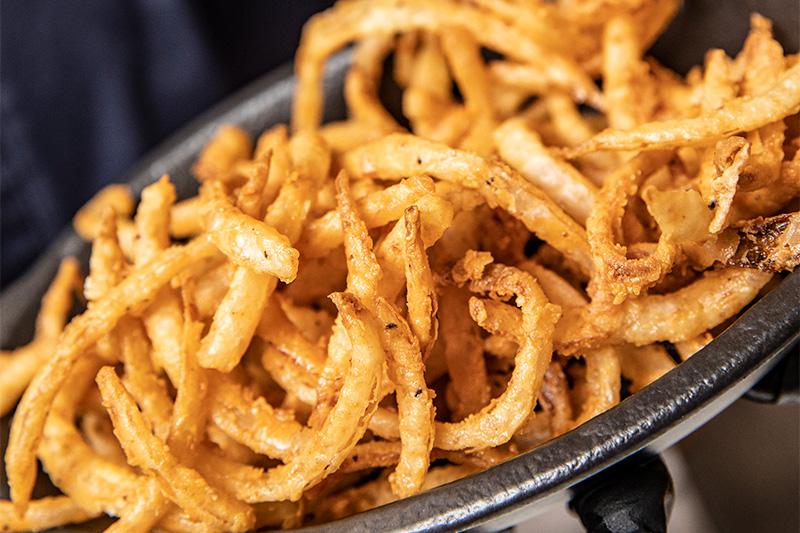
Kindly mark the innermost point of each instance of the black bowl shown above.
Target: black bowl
(504, 495)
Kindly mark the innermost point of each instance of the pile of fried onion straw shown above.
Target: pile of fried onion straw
(354, 312)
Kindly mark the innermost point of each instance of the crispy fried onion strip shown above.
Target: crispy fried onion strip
(238, 313)
(107, 262)
(738, 115)
(94, 482)
(414, 399)
(97, 483)
(497, 422)
(293, 361)
(399, 155)
(677, 316)
(327, 448)
(615, 274)
(163, 319)
(245, 240)
(523, 149)
(181, 484)
(253, 421)
(100, 317)
(421, 299)
(19, 366)
(45, 513)
(331, 30)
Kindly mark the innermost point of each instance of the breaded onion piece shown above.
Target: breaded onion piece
(325, 450)
(677, 316)
(497, 422)
(45, 513)
(414, 399)
(400, 155)
(741, 114)
(238, 314)
(252, 421)
(421, 299)
(615, 276)
(20, 365)
(245, 240)
(100, 317)
(183, 485)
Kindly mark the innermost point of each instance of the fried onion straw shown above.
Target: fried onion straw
(345, 424)
(739, 115)
(678, 316)
(614, 274)
(20, 365)
(399, 155)
(44, 513)
(331, 30)
(98, 319)
(501, 258)
(180, 483)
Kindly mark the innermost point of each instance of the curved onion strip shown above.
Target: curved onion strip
(141, 379)
(245, 240)
(421, 299)
(20, 365)
(107, 263)
(45, 513)
(523, 149)
(181, 484)
(253, 421)
(99, 318)
(326, 449)
(688, 312)
(152, 220)
(673, 317)
(363, 81)
(496, 423)
(436, 217)
(414, 399)
(276, 329)
(289, 375)
(469, 387)
(741, 114)
(363, 275)
(331, 30)
(239, 312)
(94, 482)
(142, 514)
(614, 273)
(401, 155)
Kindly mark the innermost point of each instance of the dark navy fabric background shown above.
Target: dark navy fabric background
(87, 88)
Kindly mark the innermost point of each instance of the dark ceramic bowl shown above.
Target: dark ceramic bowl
(647, 422)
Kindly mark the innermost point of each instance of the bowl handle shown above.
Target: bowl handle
(632, 496)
